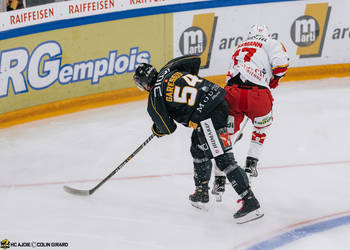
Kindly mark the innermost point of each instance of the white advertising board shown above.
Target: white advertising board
(74, 9)
(313, 32)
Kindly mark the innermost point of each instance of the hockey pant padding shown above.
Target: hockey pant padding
(254, 103)
(200, 147)
(202, 171)
(234, 173)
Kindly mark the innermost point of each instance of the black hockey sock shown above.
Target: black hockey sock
(202, 172)
(238, 178)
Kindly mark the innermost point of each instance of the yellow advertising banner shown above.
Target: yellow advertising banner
(310, 29)
(80, 61)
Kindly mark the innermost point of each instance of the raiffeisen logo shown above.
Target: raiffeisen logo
(42, 68)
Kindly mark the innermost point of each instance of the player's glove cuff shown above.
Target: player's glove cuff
(156, 132)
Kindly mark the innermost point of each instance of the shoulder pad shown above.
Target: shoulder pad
(190, 64)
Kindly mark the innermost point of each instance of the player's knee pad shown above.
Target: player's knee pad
(218, 172)
(261, 126)
(257, 141)
(225, 160)
(259, 135)
(202, 170)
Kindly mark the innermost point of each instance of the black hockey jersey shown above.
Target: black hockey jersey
(181, 95)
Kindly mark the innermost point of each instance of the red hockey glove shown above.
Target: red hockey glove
(156, 132)
(274, 82)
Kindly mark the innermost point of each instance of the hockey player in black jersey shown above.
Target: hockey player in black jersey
(178, 94)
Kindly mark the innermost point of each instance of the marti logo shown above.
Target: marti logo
(308, 31)
(42, 68)
(198, 39)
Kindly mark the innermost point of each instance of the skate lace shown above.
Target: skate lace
(197, 190)
(240, 201)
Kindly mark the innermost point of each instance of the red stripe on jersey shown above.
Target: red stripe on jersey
(229, 75)
(279, 70)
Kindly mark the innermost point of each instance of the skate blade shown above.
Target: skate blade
(218, 196)
(200, 205)
(254, 215)
(250, 179)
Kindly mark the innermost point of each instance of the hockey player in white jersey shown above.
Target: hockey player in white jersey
(257, 65)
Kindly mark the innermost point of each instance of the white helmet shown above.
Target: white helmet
(258, 30)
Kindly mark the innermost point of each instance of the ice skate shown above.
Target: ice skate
(219, 187)
(250, 167)
(250, 209)
(200, 198)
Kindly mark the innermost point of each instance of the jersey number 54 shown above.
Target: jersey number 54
(187, 94)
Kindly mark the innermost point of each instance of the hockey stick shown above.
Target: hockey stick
(240, 133)
(91, 191)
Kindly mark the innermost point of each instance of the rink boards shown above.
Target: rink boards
(64, 57)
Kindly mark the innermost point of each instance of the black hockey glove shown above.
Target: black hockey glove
(250, 166)
(156, 131)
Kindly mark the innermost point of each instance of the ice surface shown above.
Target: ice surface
(304, 175)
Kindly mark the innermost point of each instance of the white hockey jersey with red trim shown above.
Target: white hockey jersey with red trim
(258, 59)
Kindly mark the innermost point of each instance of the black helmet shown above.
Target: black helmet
(145, 76)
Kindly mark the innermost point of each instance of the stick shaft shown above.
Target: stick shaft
(91, 191)
(123, 163)
(240, 132)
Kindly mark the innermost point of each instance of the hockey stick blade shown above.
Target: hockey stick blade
(91, 191)
(77, 191)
